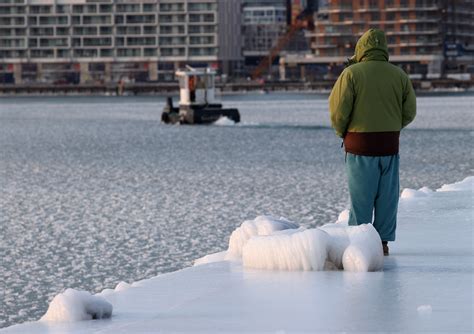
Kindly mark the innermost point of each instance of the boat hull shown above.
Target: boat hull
(198, 114)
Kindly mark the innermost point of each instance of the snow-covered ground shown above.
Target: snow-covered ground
(425, 285)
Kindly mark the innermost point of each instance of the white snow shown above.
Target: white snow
(279, 244)
(412, 193)
(122, 286)
(354, 248)
(425, 285)
(287, 250)
(73, 305)
(465, 185)
(262, 225)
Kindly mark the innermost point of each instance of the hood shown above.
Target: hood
(372, 46)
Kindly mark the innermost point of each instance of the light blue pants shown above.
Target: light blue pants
(374, 187)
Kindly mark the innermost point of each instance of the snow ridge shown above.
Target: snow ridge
(279, 244)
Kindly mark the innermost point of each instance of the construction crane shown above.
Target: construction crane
(304, 20)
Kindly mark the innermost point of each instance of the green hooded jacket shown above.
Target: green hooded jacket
(372, 95)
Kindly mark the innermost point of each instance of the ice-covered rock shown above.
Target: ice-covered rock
(279, 244)
(364, 252)
(262, 225)
(287, 250)
(73, 305)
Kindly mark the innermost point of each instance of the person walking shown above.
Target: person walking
(371, 101)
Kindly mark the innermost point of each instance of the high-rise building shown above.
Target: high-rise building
(91, 40)
(428, 38)
(265, 23)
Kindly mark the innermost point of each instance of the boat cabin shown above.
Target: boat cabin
(196, 86)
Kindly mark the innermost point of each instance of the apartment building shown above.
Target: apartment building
(262, 26)
(72, 41)
(264, 23)
(428, 38)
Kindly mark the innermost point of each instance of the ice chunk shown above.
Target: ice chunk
(354, 248)
(465, 185)
(338, 243)
(122, 286)
(73, 305)
(343, 217)
(287, 250)
(364, 252)
(262, 225)
(412, 193)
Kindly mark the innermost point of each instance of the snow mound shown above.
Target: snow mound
(287, 250)
(122, 286)
(262, 225)
(465, 185)
(412, 193)
(351, 248)
(343, 217)
(224, 121)
(211, 258)
(279, 244)
(73, 305)
(364, 252)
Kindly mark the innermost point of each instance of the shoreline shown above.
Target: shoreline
(420, 287)
(166, 89)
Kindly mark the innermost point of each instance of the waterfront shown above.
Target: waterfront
(96, 191)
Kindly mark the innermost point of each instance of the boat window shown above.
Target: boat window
(182, 82)
(210, 81)
(201, 83)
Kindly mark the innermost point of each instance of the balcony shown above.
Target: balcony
(97, 42)
(13, 43)
(138, 41)
(172, 8)
(141, 19)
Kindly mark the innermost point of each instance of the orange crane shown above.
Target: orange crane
(304, 20)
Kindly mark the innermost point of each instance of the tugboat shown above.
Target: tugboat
(197, 103)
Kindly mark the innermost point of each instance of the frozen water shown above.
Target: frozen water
(277, 244)
(296, 250)
(95, 191)
(262, 225)
(354, 248)
(425, 287)
(411, 193)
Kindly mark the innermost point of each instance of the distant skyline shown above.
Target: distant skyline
(146, 41)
